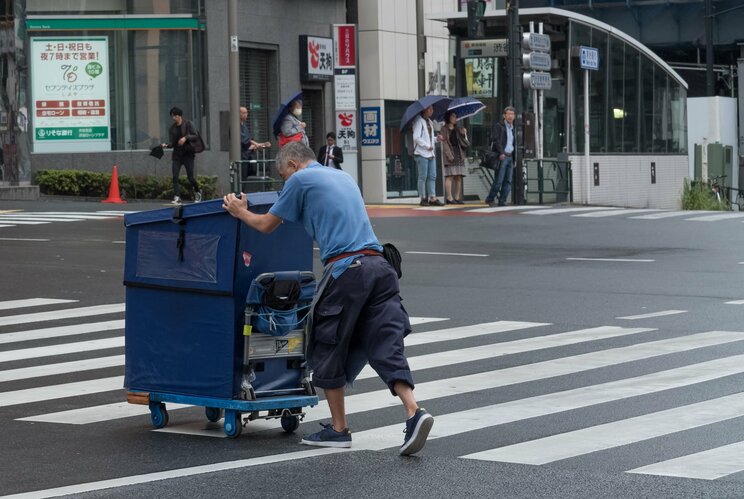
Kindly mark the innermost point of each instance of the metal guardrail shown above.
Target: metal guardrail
(261, 181)
(548, 178)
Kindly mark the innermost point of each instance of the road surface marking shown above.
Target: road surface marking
(706, 465)
(61, 368)
(20, 238)
(31, 302)
(60, 331)
(20, 222)
(54, 392)
(415, 321)
(622, 260)
(445, 254)
(669, 214)
(497, 209)
(64, 348)
(613, 213)
(652, 314)
(715, 218)
(62, 314)
(735, 302)
(556, 211)
(623, 432)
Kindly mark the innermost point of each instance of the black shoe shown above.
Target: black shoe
(492, 204)
(458, 201)
(447, 201)
(435, 202)
(501, 203)
(424, 202)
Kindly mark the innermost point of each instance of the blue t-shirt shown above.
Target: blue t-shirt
(328, 203)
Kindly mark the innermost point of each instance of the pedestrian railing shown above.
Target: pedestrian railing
(547, 181)
(254, 175)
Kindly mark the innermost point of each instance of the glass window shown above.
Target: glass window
(598, 94)
(647, 104)
(581, 34)
(662, 113)
(678, 96)
(400, 167)
(86, 7)
(631, 99)
(616, 93)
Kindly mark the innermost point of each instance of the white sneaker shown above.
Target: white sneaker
(176, 200)
(198, 196)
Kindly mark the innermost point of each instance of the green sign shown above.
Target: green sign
(93, 69)
(72, 133)
(66, 24)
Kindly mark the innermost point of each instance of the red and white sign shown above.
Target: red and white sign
(344, 43)
(317, 62)
(346, 135)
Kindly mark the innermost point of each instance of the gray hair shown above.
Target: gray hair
(294, 151)
(510, 108)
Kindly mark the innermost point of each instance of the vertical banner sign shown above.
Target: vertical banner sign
(371, 130)
(70, 94)
(316, 58)
(344, 45)
(346, 130)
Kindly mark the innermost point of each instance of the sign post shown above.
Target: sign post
(536, 58)
(345, 97)
(588, 61)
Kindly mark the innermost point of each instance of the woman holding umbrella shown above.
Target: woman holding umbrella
(454, 142)
(423, 139)
(292, 127)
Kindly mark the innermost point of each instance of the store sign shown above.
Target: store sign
(70, 94)
(316, 58)
(346, 134)
(345, 45)
(345, 86)
(480, 77)
(371, 127)
(497, 47)
(589, 58)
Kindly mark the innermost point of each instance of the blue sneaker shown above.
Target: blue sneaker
(417, 429)
(328, 437)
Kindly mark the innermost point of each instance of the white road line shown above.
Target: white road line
(20, 238)
(88, 415)
(458, 333)
(652, 314)
(451, 357)
(59, 331)
(613, 213)
(735, 302)
(621, 260)
(706, 465)
(100, 214)
(497, 209)
(439, 208)
(61, 368)
(177, 473)
(56, 216)
(444, 254)
(18, 219)
(62, 314)
(557, 211)
(62, 349)
(20, 222)
(669, 214)
(54, 392)
(715, 218)
(7, 238)
(31, 302)
(415, 321)
(623, 432)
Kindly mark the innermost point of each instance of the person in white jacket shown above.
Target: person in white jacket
(423, 154)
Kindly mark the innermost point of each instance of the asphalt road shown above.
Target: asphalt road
(563, 354)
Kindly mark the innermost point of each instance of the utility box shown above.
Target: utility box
(187, 272)
(720, 162)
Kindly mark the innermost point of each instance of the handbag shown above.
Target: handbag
(490, 159)
(194, 146)
(284, 140)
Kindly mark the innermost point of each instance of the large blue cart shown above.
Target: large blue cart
(189, 326)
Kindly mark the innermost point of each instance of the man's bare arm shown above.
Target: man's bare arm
(236, 206)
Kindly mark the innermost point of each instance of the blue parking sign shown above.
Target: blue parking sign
(371, 128)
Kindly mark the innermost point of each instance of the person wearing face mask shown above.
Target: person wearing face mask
(293, 129)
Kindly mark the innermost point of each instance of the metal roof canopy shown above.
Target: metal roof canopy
(548, 15)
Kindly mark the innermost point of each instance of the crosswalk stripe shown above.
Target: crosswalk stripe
(534, 372)
(662, 313)
(458, 333)
(5, 225)
(415, 321)
(613, 213)
(20, 222)
(438, 208)
(715, 218)
(55, 216)
(623, 432)
(557, 211)
(17, 219)
(668, 214)
(98, 214)
(60, 331)
(54, 392)
(31, 302)
(64, 348)
(707, 465)
(88, 415)
(62, 314)
(61, 368)
(497, 209)
(451, 357)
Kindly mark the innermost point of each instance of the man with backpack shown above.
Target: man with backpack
(181, 137)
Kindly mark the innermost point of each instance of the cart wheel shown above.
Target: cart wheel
(158, 414)
(233, 424)
(290, 423)
(214, 414)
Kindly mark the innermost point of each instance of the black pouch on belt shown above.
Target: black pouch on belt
(392, 255)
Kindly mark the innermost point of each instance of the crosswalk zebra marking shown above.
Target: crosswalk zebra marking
(62, 314)
(706, 465)
(623, 432)
(717, 217)
(32, 302)
(459, 333)
(54, 392)
(19, 219)
(61, 368)
(669, 214)
(613, 213)
(557, 211)
(64, 348)
(21, 222)
(498, 209)
(61, 331)
(649, 315)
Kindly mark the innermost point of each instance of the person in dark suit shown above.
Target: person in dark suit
(503, 143)
(330, 154)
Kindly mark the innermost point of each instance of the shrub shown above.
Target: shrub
(94, 184)
(697, 195)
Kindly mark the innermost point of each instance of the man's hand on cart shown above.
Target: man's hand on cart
(235, 203)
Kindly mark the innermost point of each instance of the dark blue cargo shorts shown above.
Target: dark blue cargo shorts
(360, 317)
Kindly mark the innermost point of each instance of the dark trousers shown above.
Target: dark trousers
(502, 181)
(188, 162)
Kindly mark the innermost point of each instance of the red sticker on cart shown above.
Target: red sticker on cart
(247, 258)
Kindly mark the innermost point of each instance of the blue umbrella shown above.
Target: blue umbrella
(438, 102)
(464, 107)
(282, 111)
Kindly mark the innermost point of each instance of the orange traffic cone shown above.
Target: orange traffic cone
(114, 196)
